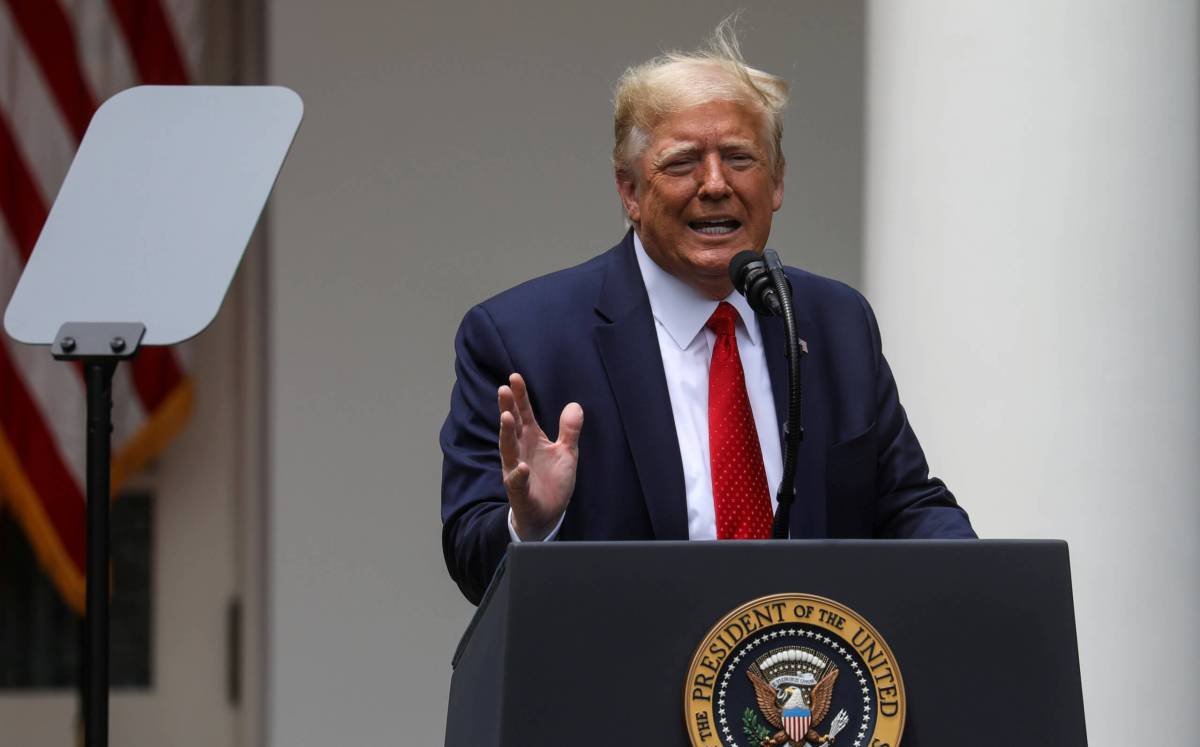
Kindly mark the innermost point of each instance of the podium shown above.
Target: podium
(590, 643)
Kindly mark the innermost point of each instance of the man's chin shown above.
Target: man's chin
(710, 273)
(715, 258)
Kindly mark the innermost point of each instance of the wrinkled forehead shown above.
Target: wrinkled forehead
(669, 149)
(719, 125)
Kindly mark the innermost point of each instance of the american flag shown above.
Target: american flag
(59, 59)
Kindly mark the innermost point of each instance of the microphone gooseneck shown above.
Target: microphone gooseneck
(766, 287)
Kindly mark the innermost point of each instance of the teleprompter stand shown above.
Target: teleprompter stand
(139, 249)
(99, 347)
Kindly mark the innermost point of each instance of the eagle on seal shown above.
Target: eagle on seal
(773, 703)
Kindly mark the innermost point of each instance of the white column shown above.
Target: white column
(1033, 253)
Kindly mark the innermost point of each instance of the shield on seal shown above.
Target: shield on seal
(795, 723)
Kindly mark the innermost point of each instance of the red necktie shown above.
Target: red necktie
(740, 497)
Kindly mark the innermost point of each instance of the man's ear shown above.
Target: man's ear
(627, 190)
(777, 194)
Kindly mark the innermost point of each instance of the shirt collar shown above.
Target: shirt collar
(680, 308)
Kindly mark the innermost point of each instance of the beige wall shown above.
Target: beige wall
(450, 150)
(1034, 256)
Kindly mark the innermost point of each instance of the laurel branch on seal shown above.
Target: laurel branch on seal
(756, 733)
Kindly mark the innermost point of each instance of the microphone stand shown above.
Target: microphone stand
(793, 429)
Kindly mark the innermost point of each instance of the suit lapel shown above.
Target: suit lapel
(628, 346)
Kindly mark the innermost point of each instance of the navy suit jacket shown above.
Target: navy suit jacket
(586, 335)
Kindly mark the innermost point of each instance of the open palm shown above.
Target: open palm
(539, 474)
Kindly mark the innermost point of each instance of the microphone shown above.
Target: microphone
(765, 285)
(751, 276)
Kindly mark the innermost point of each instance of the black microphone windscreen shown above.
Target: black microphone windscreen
(737, 265)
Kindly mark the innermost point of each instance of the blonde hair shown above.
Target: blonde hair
(676, 81)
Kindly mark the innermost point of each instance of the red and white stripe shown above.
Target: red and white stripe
(59, 59)
(796, 727)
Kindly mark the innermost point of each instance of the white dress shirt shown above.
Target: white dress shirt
(686, 345)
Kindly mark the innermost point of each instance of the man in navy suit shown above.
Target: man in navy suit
(627, 338)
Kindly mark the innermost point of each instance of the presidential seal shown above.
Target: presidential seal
(794, 670)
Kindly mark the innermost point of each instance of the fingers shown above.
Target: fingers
(507, 402)
(510, 453)
(570, 423)
(515, 411)
(521, 397)
(513, 471)
(516, 482)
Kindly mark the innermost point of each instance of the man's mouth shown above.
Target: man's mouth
(715, 227)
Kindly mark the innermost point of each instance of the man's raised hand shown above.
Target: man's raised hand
(539, 475)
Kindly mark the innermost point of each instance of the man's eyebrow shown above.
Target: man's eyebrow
(689, 149)
(674, 151)
(739, 144)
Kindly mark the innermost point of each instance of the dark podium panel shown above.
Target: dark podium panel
(589, 643)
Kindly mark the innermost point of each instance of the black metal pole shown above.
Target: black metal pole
(98, 347)
(794, 426)
(99, 433)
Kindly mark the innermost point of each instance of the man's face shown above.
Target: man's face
(704, 190)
